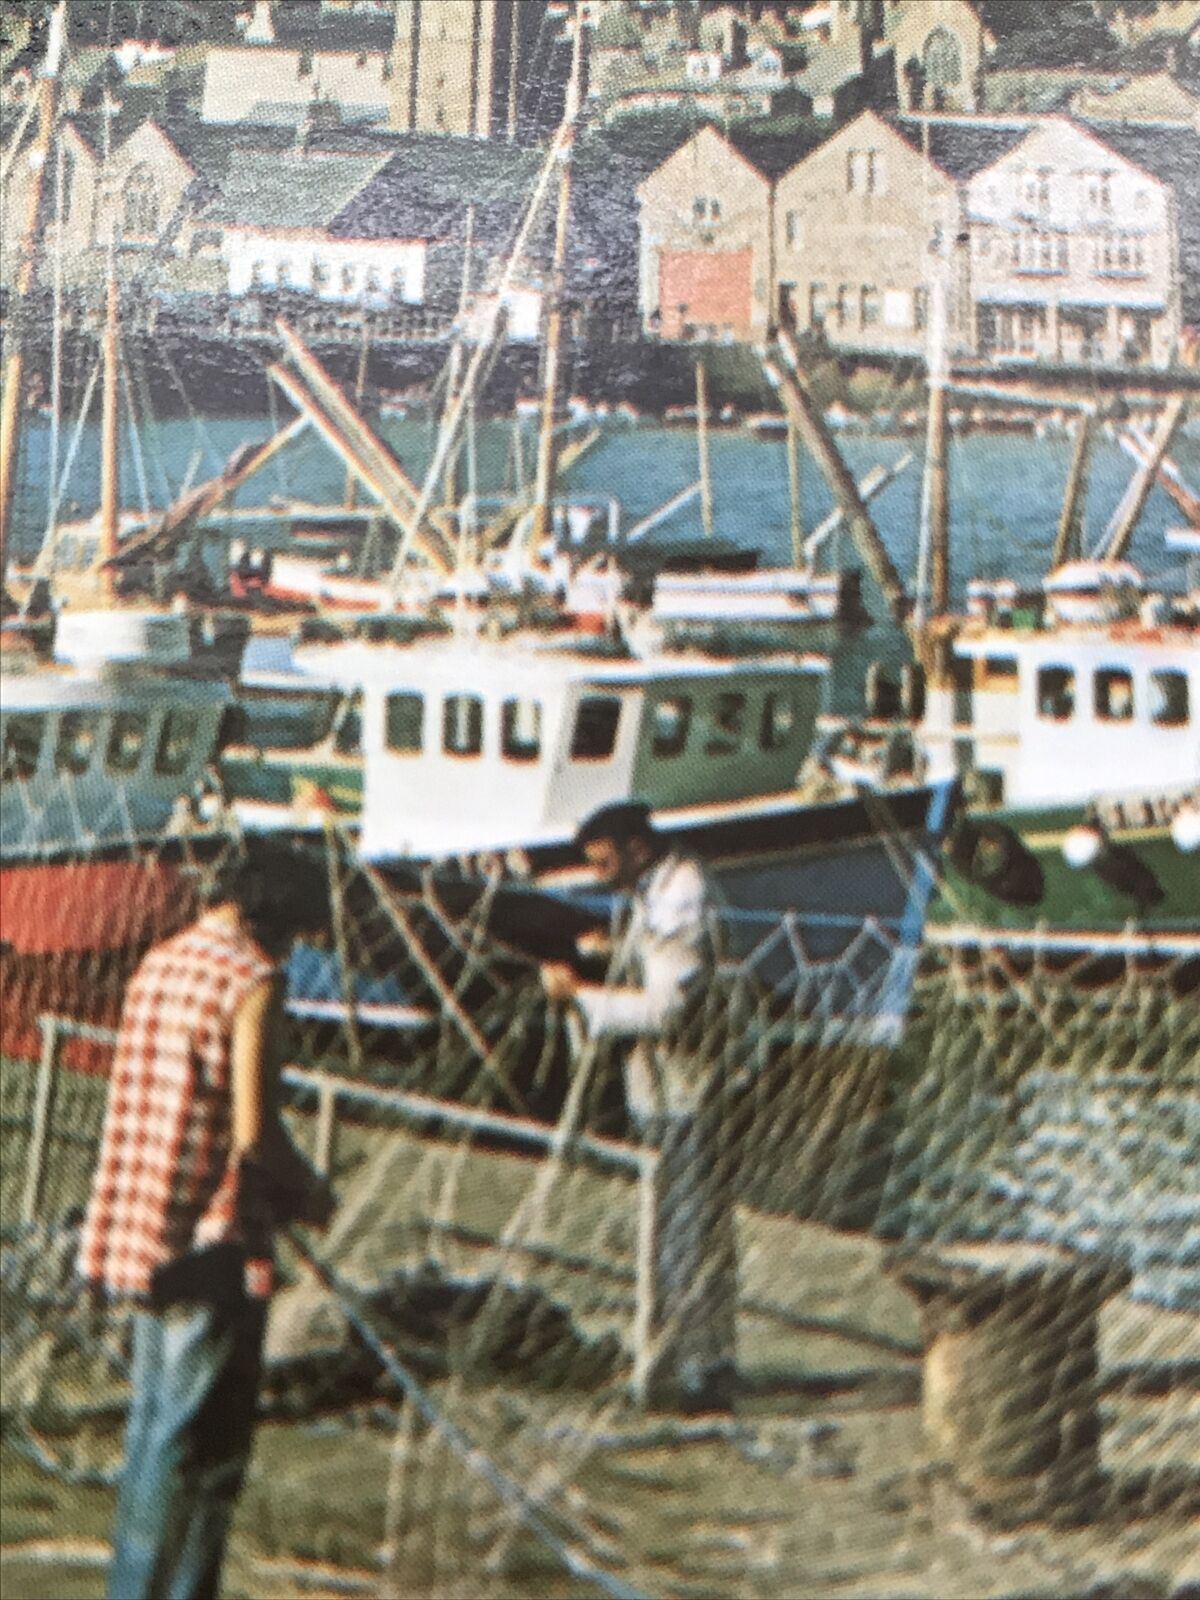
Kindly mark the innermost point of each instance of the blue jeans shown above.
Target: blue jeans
(195, 1388)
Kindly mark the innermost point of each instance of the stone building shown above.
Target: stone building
(862, 224)
(288, 57)
(459, 66)
(1074, 253)
(940, 53)
(140, 197)
(706, 257)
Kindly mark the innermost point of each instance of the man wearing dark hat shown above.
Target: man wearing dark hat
(664, 954)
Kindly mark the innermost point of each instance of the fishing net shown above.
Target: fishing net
(939, 1205)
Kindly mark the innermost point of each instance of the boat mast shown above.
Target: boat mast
(933, 572)
(795, 492)
(110, 417)
(706, 508)
(547, 455)
(26, 282)
(1068, 540)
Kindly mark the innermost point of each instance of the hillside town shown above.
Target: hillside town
(741, 166)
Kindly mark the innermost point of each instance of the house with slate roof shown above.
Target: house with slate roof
(1075, 253)
(276, 213)
(1049, 241)
(707, 268)
(862, 224)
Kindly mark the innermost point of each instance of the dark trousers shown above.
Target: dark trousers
(695, 1267)
(195, 1388)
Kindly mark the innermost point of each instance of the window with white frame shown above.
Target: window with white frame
(706, 209)
(1035, 190)
(1097, 193)
(1119, 255)
(862, 172)
(141, 215)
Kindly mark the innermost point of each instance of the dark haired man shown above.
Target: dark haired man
(664, 954)
(195, 1171)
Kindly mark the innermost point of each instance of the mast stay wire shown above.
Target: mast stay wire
(135, 435)
(47, 555)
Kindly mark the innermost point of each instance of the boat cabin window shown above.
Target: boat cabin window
(725, 734)
(176, 742)
(1114, 695)
(999, 672)
(521, 730)
(127, 740)
(76, 745)
(672, 720)
(1169, 701)
(778, 720)
(347, 727)
(462, 725)
(1056, 693)
(596, 723)
(22, 747)
(405, 724)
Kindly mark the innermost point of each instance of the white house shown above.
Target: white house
(372, 272)
(1074, 253)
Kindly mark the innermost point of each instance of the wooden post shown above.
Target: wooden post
(939, 504)
(803, 409)
(706, 509)
(326, 1133)
(646, 1297)
(360, 384)
(1068, 540)
(1133, 502)
(1010, 1398)
(795, 490)
(39, 1133)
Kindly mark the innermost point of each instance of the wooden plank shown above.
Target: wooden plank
(1125, 519)
(43, 1107)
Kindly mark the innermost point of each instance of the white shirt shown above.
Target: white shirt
(669, 942)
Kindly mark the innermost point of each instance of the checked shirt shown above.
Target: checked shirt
(167, 1181)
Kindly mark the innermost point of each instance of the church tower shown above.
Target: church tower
(459, 66)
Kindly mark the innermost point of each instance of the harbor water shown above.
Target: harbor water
(1006, 492)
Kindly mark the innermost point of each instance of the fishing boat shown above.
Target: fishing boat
(1077, 732)
(480, 758)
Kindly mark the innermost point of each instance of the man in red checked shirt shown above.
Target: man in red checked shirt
(195, 1173)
